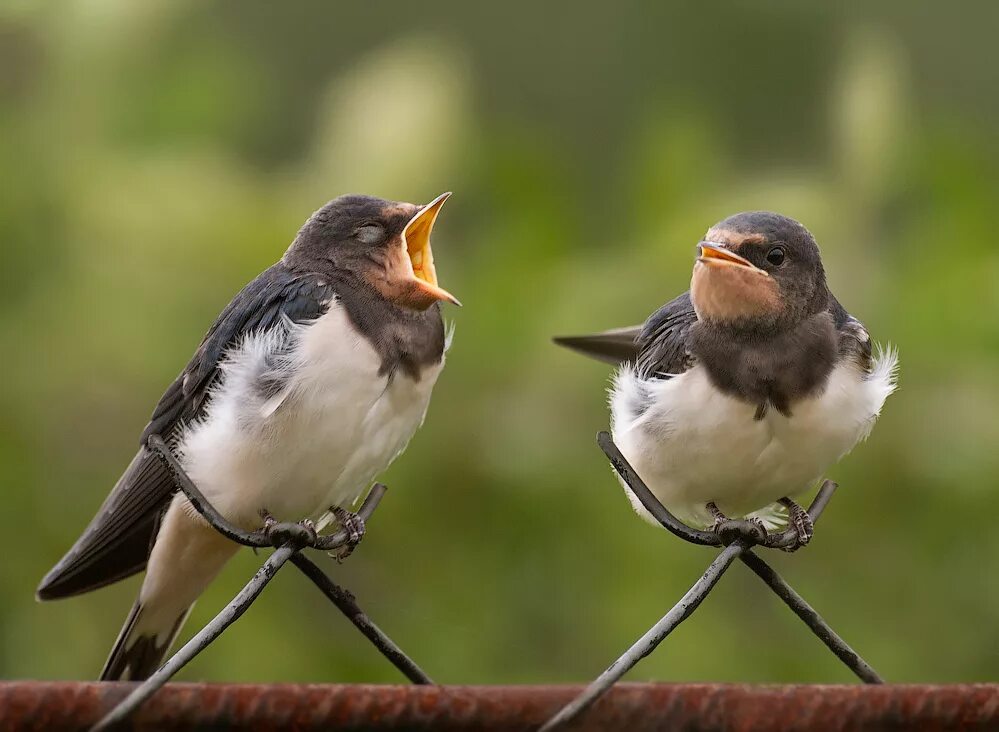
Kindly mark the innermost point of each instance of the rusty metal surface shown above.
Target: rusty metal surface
(739, 540)
(632, 707)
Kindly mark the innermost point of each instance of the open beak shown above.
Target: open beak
(416, 239)
(715, 254)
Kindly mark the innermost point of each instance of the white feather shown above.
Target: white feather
(320, 441)
(693, 444)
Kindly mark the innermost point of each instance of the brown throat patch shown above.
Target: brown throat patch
(728, 292)
(395, 282)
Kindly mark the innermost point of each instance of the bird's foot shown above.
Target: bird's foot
(729, 530)
(310, 530)
(355, 528)
(303, 533)
(798, 518)
(269, 521)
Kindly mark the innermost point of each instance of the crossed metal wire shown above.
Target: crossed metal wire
(288, 540)
(738, 540)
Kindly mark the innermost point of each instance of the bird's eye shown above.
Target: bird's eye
(776, 256)
(370, 233)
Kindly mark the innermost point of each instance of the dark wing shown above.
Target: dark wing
(854, 340)
(662, 346)
(117, 541)
(276, 293)
(659, 346)
(612, 346)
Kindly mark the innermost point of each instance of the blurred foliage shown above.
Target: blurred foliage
(157, 155)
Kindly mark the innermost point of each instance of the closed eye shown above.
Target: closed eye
(370, 233)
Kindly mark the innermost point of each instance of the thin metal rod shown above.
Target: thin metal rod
(347, 604)
(739, 548)
(676, 527)
(292, 538)
(199, 642)
(780, 587)
(812, 619)
(659, 512)
(198, 500)
(256, 539)
(648, 642)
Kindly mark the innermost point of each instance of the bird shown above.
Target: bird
(739, 394)
(309, 383)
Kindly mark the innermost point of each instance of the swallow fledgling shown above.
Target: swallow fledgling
(739, 394)
(311, 381)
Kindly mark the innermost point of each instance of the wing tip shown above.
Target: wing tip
(49, 587)
(564, 341)
(60, 581)
(68, 581)
(575, 343)
(614, 346)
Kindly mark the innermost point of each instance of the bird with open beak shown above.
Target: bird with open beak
(739, 394)
(311, 381)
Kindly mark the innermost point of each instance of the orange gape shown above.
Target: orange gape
(409, 275)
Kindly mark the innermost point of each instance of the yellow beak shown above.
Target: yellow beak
(416, 239)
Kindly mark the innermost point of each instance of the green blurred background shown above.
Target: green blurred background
(157, 155)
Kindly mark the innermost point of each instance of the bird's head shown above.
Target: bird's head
(758, 270)
(384, 243)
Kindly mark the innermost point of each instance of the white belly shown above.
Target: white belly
(320, 441)
(693, 444)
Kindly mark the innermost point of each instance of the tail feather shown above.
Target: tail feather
(186, 557)
(140, 650)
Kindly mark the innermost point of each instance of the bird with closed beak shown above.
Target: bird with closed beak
(310, 382)
(739, 394)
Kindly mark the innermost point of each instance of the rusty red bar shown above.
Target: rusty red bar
(27, 706)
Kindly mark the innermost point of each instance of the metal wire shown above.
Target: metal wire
(257, 539)
(812, 619)
(201, 640)
(648, 642)
(740, 548)
(347, 604)
(637, 486)
(288, 539)
(675, 526)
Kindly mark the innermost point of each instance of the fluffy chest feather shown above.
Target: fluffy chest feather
(303, 418)
(692, 443)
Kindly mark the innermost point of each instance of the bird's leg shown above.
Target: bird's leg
(269, 521)
(310, 527)
(715, 512)
(354, 526)
(800, 520)
(731, 529)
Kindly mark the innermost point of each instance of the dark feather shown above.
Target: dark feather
(116, 543)
(136, 658)
(657, 347)
(612, 346)
(260, 305)
(663, 344)
(855, 343)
